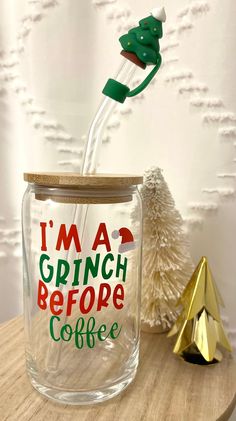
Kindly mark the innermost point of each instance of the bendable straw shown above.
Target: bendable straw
(89, 166)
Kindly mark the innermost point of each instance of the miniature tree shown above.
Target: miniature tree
(199, 326)
(143, 40)
(167, 263)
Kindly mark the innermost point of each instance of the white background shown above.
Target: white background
(55, 58)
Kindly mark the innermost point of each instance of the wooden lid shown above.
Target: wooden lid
(76, 180)
(84, 200)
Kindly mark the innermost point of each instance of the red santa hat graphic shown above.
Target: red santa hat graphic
(127, 239)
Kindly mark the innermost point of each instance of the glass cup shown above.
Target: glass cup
(82, 240)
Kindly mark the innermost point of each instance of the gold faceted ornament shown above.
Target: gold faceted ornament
(199, 326)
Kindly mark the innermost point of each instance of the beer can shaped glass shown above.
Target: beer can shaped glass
(82, 241)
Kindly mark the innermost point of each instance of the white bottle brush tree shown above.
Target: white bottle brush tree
(167, 264)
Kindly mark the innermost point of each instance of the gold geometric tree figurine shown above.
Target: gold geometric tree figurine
(199, 326)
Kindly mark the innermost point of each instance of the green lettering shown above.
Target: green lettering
(101, 330)
(121, 266)
(66, 333)
(114, 327)
(91, 267)
(79, 340)
(61, 276)
(89, 332)
(105, 274)
(77, 264)
(48, 278)
(52, 329)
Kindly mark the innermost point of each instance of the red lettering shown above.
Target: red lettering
(70, 300)
(58, 303)
(43, 236)
(118, 294)
(56, 300)
(102, 300)
(66, 239)
(83, 297)
(101, 238)
(42, 295)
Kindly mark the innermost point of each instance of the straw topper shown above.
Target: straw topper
(140, 46)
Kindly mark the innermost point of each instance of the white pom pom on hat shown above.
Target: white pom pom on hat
(159, 14)
(115, 234)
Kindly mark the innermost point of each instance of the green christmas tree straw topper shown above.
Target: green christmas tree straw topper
(141, 46)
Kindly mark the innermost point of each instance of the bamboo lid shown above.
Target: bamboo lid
(79, 181)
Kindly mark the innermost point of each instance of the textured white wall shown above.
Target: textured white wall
(55, 57)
